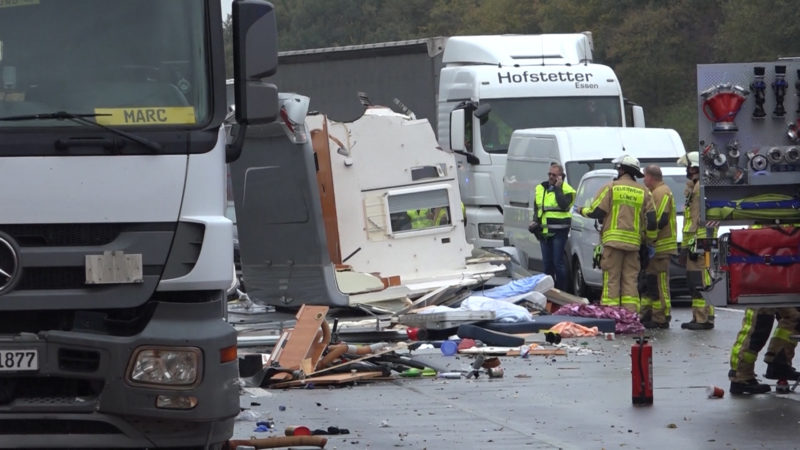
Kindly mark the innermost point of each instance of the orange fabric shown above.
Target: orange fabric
(572, 329)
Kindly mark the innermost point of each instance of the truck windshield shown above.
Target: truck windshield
(509, 114)
(140, 63)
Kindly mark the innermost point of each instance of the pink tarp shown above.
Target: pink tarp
(626, 322)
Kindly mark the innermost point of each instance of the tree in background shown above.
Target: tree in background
(227, 35)
(653, 46)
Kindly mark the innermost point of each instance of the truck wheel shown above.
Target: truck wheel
(579, 287)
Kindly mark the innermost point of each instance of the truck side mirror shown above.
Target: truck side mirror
(482, 112)
(255, 56)
(457, 130)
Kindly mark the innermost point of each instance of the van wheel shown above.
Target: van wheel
(579, 287)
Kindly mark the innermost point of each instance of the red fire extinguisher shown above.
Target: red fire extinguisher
(642, 372)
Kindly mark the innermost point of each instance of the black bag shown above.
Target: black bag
(536, 229)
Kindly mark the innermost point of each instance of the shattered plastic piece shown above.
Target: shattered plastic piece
(264, 426)
(495, 372)
(450, 375)
(466, 343)
(248, 415)
(449, 348)
(297, 430)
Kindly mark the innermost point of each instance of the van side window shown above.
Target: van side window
(588, 189)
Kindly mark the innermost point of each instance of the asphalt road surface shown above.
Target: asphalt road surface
(580, 401)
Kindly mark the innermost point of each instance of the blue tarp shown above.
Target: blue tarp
(516, 287)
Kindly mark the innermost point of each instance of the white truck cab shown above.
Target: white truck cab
(493, 85)
(115, 253)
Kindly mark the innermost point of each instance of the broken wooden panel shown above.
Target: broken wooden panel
(305, 342)
(337, 378)
(321, 145)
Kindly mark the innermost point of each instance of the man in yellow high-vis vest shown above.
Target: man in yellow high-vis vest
(656, 302)
(629, 219)
(552, 205)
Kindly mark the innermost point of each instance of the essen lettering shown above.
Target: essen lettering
(581, 79)
(145, 115)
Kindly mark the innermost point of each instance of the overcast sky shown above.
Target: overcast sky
(226, 8)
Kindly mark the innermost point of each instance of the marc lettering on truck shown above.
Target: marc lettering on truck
(582, 80)
(181, 115)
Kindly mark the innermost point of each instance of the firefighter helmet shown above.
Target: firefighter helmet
(629, 161)
(691, 159)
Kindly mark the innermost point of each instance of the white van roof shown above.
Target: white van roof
(598, 143)
(665, 171)
(519, 49)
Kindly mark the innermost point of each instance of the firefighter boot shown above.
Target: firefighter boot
(777, 371)
(697, 325)
(650, 324)
(748, 387)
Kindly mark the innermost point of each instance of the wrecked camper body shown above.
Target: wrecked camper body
(325, 216)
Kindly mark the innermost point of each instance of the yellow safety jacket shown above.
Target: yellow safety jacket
(419, 218)
(623, 205)
(667, 237)
(442, 217)
(691, 213)
(549, 213)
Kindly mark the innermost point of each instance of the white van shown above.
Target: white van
(579, 150)
(584, 234)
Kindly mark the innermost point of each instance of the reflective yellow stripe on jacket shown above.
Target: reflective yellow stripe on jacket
(626, 201)
(666, 238)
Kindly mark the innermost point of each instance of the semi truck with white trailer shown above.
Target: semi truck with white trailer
(475, 90)
(114, 249)
(749, 157)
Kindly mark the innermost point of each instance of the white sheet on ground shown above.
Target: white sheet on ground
(502, 299)
(530, 288)
(503, 310)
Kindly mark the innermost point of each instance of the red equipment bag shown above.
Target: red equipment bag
(764, 261)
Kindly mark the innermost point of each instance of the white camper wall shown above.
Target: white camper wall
(379, 153)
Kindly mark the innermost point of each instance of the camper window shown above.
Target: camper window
(418, 210)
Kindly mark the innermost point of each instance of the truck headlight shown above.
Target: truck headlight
(491, 231)
(169, 366)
